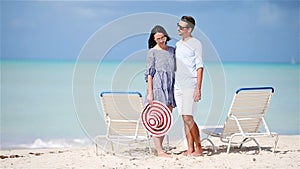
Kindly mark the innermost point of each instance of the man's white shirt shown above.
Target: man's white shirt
(189, 58)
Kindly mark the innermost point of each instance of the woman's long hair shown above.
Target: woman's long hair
(157, 29)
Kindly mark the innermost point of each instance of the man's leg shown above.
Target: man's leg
(196, 137)
(187, 127)
(193, 136)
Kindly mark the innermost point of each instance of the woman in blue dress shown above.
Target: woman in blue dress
(160, 75)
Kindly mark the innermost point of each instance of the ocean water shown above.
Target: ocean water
(56, 104)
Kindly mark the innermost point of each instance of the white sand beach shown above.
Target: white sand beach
(287, 155)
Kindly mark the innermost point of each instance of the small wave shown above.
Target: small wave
(56, 143)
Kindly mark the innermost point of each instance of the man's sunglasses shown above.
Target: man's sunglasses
(181, 27)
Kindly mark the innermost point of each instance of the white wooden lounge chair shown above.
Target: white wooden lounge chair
(122, 114)
(245, 118)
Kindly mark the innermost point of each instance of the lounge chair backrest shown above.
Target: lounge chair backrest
(122, 112)
(248, 108)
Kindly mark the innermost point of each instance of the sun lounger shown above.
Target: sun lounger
(122, 112)
(245, 118)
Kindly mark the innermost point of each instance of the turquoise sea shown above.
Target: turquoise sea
(56, 103)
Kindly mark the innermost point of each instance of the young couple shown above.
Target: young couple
(176, 83)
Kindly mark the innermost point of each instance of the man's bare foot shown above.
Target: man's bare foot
(197, 153)
(163, 154)
(187, 153)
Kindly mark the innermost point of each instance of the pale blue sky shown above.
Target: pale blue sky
(258, 31)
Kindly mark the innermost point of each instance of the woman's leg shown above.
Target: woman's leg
(158, 146)
(158, 141)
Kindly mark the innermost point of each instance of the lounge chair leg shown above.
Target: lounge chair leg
(168, 143)
(276, 141)
(212, 144)
(150, 151)
(112, 146)
(259, 148)
(149, 145)
(96, 149)
(245, 139)
(228, 146)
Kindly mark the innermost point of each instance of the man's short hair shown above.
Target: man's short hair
(190, 20)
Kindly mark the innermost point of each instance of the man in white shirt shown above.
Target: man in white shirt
(188, 81)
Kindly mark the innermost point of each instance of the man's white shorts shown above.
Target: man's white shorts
(185, 101)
